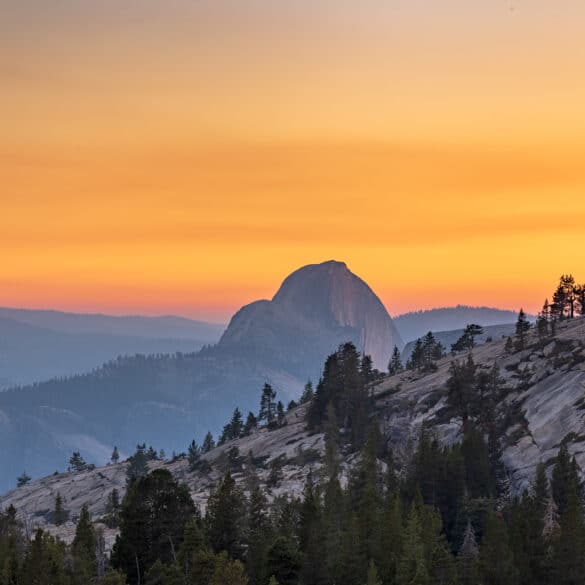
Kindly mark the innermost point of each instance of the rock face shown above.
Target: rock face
(324, 302)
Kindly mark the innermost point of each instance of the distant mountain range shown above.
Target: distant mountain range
(168, 400)
(38, 345)
(418, 323)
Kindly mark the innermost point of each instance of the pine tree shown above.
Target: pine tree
(225, 512)
(412, 567)
(76, 462)
(23, 479)
(154, 514)
(522, 328)
(112, 509)
(395, 363)
(193, 455)
(467, 339)
(283, 561)
(564, 475)
(59, 515)
(311, 536)
(569, 560)
(267, 405)
(250, 425)
(208, 443)
(236, 425)
(115, 458)
(367, 371)
(83, 549)
(308, 393)
(461, 388)
(565, 297)
(391, 535)
(138, 464)
(258, 532)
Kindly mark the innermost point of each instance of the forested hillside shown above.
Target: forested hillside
(460, 469)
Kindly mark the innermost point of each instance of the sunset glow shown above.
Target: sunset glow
(185, 156)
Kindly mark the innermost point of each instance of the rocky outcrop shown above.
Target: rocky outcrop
(326, 303)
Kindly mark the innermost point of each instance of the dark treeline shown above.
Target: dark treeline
(439, 520)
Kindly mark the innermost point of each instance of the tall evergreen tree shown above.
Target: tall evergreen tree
(208, 443)
(193, 455)
(412, 567)
(267, 405)
(59, 515)
(522, 328)
(76, 462)
(250, 425)
(84, 549)
(308, 393)
(224, 519)
(395, 364)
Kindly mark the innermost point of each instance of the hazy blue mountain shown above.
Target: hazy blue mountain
(168, 400)
(38, 345)
(416, 324)
(163, 327)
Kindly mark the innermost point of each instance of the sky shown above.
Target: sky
(185, 156)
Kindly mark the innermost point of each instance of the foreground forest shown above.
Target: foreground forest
(446, 514)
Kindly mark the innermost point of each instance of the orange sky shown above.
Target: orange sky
(183, 157)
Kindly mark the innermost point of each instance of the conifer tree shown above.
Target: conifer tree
(208, 443)
(193, 455)
(267, 405)
(522, 328)
(395, 363)
(308, 393)
(23, 479)
(236, 425)
(496, 563)
(250, 424)
(569, 560)
(461, 388)
(412, 566)
(59, 515)
(564, 476)
(367, 369)
(138, 464)
(311, 536)
(224, 519)
(283, 561)
(467, 339)
(258, 534)
(115, 458)
(83, 549)
(76, 462)
(565, 297)
(391, 538)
